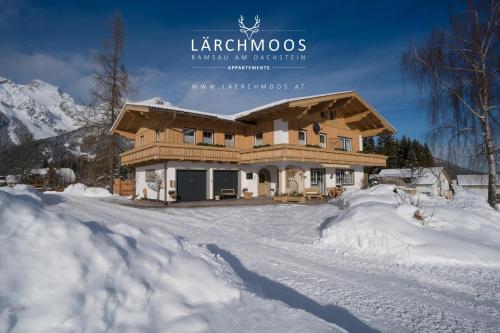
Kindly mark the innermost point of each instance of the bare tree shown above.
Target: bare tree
(458, 69)
(158, 183)
(112, 84)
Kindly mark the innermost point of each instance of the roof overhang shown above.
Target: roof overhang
(358, 114)
(132, 117)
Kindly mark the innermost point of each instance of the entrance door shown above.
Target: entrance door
(264, 182)
(191, 185)
(318, 179)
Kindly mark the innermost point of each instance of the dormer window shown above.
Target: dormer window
(302, 137)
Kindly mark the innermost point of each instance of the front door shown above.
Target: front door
(264, 182)
(318, 179)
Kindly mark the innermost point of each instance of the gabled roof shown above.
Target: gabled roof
(425, 176)
(159, 104)
(329, 100)
(284, 101)
(475, 180)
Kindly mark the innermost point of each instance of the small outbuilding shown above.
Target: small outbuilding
(478, 184)
(431, 181)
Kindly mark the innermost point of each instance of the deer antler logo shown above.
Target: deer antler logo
(249, 31)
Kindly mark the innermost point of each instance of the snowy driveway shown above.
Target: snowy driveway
(272, 249)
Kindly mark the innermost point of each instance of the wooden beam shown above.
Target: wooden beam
(343, 102)
(303, 113)
(127, 135)
(373, 131)
(357, 117)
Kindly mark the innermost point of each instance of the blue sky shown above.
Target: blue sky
(352, 45)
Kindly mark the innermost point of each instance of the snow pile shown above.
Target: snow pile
(463, 231)
(68, 275)
(66, 174)
(12, 179)
(82, 190)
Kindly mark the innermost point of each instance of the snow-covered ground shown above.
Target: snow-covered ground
(69, 260)
(463, 231)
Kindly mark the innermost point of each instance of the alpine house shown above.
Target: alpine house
(279, 148)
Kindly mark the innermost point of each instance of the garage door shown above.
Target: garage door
(225, 180)
(191, 185)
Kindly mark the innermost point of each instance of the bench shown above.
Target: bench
(313, 193)
(227, 192)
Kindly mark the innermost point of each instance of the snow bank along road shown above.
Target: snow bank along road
(272, 250)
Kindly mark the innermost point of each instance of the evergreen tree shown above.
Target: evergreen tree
(369, 145)
(388, 146)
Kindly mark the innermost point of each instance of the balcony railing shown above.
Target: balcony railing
(160, 151)
(286, 152)
(179, 152)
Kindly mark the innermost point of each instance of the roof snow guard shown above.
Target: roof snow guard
(361, 115)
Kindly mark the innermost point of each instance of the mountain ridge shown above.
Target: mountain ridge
(36, 110)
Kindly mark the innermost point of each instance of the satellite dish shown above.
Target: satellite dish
(316, 128)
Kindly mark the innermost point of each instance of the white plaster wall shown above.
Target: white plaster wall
(358, 175)
(280, 131)
(140, 182)
(307, 179)
(330, 179)
(253, 184)
(360, 143)
(250, 184)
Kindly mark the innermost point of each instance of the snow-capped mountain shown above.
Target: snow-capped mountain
(38, 108)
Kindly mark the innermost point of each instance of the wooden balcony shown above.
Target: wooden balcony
(161, 151)
(286, 152)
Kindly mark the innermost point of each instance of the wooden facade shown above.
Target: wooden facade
(158, 132)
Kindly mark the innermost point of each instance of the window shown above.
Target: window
(249, 175)
(150, 175)
(345, 177)
(188, 135)
(322, 140)
(323, 115)
(229, 140)
(302, 137)
(259, 138)
(345, 143)
(332, 114)
(142, 140)
(157, 135)
(208, 137)
(314, 178)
